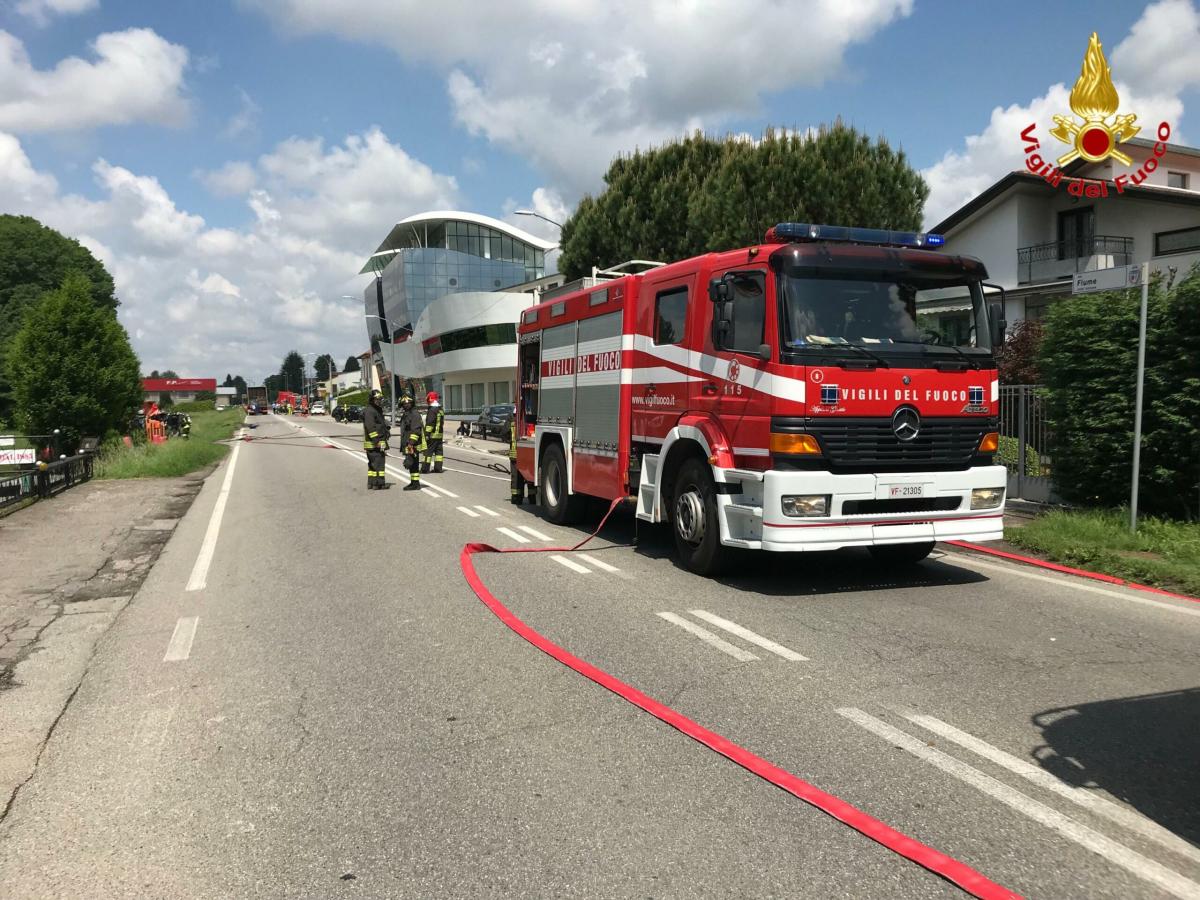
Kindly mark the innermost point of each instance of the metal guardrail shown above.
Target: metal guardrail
(1047, 261)
(45, 481)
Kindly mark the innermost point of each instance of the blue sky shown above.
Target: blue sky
(233, 161)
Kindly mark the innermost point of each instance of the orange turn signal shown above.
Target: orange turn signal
(990, 443)
(795, 443)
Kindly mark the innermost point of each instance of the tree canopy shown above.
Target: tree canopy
(701, 194)
(291, 372)
(71, 366)
(351, 364)
(165, 373)
(325, 366)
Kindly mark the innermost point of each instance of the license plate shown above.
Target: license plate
(898, 491)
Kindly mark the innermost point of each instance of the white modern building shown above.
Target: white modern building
(1034, 237)
(448, 289)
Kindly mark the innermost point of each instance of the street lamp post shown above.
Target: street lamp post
(391, 367)
(538, 215)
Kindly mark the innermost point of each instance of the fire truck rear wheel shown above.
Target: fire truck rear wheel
(561, 507)
(694, 520)
(901, 554)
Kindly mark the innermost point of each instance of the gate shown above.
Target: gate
(1025, 442)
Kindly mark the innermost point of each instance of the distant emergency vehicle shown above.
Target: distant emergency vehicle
(783, 397)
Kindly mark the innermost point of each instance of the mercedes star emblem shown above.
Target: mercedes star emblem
(906, 424)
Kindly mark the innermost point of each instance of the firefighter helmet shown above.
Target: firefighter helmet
(376, 398)
(431, 397)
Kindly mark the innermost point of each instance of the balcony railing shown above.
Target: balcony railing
(1056, 260)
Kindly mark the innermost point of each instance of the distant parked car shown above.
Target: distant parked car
(318, 409)
(348, 414)
(256, 409)
(495, 420)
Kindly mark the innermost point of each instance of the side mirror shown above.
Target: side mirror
(720, 327)
(999, 324)
(764, 352)
(719, 290)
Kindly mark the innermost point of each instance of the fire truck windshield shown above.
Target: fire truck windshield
(888, 315)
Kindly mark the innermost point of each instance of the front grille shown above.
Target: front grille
(912, 505)
(869, 445)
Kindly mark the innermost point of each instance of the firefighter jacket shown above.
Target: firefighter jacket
(375, 429)
(435, 421)
(413, 428)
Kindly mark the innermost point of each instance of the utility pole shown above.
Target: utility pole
(1137, 412)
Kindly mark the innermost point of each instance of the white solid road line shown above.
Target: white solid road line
(747, 635)
(180, 647)
(470, 512)
(573, 566)
(515, 535)
(535, 533)
(486, 511)
(708, 637)
(1121, 815)
(477, 474)
(967, 559)
(199, 577)
(598, 563)
(1102, 845)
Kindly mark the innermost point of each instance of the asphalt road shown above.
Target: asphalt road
(331, 712)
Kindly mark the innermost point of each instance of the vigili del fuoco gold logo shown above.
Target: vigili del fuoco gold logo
(1096, 134)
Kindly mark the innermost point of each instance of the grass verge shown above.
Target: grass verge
(1164, 554)
(177, 456)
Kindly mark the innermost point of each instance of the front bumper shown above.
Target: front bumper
(752, 515)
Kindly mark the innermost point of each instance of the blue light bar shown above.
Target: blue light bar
(788, 232)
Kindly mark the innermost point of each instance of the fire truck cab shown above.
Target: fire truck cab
(789, 396)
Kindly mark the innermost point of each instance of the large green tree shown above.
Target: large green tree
(700, 194)
(325, 366)
(71, 366)
(292, 372)
(351, 364)
(34, 259)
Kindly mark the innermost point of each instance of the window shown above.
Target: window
(1177, 180)
(749, 317)
(474, 393)
(670, 316)
(454, 395)
(501, 391)
(1185, 240)
(1076, 233)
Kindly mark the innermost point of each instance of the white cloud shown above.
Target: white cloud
(1156, 77)
(205, 300)
(534, 78)
(245, 120)
(231, 180)
(136, 76)
(40, 12)
(545, 202)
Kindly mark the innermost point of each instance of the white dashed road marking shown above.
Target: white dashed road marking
(1102, 845)
(708, 637)
(468, 511)
(573, 566)
(747, 635)
(535, 533)
(599, 564)
(180, 647)
(1121, 815)
(486, 511)
(515, 535)
(437, 487)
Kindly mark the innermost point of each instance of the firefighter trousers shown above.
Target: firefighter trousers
(432, 456)
(376, 471)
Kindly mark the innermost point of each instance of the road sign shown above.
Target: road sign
(1107, 279)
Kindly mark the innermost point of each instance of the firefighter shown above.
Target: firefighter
(375, 438)
(435, 421)
(413, 429)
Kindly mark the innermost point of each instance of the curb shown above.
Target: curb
(1068, 570)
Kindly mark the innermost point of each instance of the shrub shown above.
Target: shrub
(1089, 359)
(1007, 455)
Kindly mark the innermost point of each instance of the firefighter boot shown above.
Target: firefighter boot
(425, 468)
(413, 486)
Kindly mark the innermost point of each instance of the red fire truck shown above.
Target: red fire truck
(789, 396)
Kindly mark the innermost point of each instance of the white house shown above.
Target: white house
(1033, 237)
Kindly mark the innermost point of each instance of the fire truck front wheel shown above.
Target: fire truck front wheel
(562, 508)
(694, 520)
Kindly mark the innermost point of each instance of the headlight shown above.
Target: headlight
(802, 505)
(986, 498)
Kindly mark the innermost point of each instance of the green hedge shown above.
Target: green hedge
(1007, 455)
(354, 398)
(1089, 358)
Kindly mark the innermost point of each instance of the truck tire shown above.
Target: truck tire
(561, 508)
(901, 554)
(694, 521)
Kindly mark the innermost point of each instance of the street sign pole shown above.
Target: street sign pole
(1137, 412)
